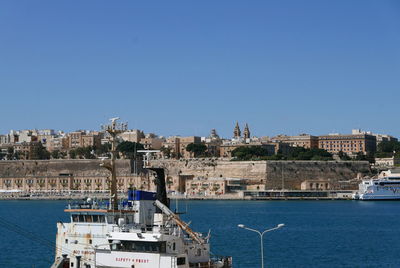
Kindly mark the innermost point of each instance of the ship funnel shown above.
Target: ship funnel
(161, 189)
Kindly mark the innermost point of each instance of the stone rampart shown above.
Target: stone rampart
(339, 174)
(49, 168)
(274, 174)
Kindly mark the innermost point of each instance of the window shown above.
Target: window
(181, 261)
(140, 246)
(88, 218)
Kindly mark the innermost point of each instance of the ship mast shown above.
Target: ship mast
(113, 129)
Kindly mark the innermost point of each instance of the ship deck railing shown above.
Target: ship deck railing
(103, 205)
(215, 262)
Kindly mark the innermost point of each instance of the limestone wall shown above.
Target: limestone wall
(274, 174)
(44, 168)
(64, 175)
(290, 174)
(213, 169)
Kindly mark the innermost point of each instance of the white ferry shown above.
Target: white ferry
(141, 232)
(385, 187)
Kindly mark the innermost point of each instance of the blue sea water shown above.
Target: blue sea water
(317, 233)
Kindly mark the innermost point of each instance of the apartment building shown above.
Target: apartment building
(82, 139)
(4, 139)
(184, 142)
(379, 137)
(133, 135)
(152, 143)
(172, 147)
(91, 139)
(25, 149)
(302, 140)
(57, 144)
(350, 144)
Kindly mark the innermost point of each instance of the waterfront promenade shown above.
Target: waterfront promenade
(243, 195)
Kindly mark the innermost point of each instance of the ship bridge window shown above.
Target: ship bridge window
(389, 183)
(98, 218)
(88, 218)
(140, 246)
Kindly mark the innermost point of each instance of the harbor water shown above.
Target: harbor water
(316, 233)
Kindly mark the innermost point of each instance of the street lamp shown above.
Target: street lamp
(261, 237)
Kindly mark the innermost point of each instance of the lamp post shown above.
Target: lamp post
(261, 237)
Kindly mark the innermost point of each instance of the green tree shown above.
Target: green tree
(39, 152)
(72, 154)
(343, 156)
(245, 153)
(389, 146)
(85, 152)
(388, 149)
(369, 156)
(12, 154)
(166, 151)
(55, 154)
(300, 153)
(198, 149)
(103, 149)
(129, 149)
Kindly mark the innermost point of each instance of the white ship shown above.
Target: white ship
(141, 232)
(385, 187)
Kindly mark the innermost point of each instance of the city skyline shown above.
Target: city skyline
(185, 68)
(232, 135)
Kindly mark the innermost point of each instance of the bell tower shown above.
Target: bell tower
(236, 132)
(246, 132)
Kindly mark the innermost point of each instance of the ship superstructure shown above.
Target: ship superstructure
(140, 232)
(385, 187)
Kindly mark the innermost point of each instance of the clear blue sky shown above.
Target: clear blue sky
(185, 67)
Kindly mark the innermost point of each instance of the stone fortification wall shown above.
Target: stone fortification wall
(339, 174)
(65, 175)
(206, 168)
(45, 168)
(273, 174)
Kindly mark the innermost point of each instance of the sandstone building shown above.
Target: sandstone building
(302, 140)
(351, 144)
